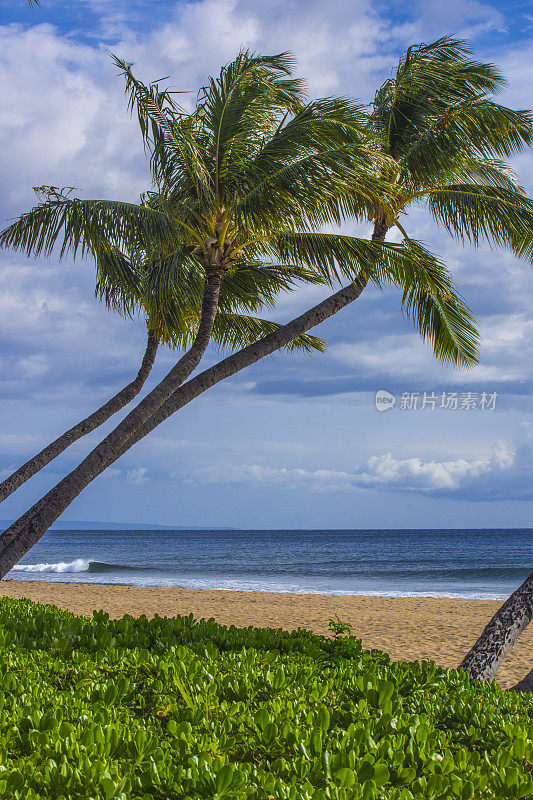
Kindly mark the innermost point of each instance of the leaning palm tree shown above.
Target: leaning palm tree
(113, 282)
(454, 163)
(213, 205)
(437, 137)
(126, 239)
(171, 317)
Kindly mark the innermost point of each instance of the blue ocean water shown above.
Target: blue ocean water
(485, 564)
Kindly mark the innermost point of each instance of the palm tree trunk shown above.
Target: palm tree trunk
(500, 634)
(16, 540)
(87, 425)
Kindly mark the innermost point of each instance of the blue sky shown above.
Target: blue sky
(294, 441)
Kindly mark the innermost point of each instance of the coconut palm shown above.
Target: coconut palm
(124, 239)
(438, 137)
(171, 319)
(202, 226)
(454, 165)
(125, 284)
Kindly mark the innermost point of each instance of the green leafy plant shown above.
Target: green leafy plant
(176, 708)
(339, 628)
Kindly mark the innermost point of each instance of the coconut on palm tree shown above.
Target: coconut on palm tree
(438, 138)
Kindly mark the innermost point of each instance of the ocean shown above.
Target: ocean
(484, 564)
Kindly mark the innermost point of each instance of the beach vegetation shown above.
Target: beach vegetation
(339, 627)
(179, 708)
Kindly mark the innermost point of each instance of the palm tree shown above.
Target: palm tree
(440, 139)
(171, 318)
(120, 236)
(194, 246)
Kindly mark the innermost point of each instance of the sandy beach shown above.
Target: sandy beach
(408, 629)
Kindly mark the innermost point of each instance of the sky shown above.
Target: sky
(295, 441)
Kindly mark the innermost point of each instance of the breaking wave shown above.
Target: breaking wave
(78, 565)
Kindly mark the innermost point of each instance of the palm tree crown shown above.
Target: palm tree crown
(226, 177)
(444, 138)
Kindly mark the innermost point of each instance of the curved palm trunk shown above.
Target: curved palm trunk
(87, 425)
(16, 540)
(500, 634)
(26, 531)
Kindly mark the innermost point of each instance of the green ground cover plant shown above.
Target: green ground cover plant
(175, 708)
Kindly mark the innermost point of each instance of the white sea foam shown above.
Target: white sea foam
(79, 565)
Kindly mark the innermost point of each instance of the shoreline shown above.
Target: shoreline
(492, 597)
(408, 628)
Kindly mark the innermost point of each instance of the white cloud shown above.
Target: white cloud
(382, 472)
(63, 123)
(414, 473)
(137, 476)
(506, 353)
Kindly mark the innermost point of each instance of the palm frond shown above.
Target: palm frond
(318, 127)
(172, 288)
(429, 80)
(477, 213)
(119, 282)
(85, 226)
(440, 315)
(233, 331)
(256, 285)
(173, 137)
(319, 189)
(241, 107)
(471, 129)
(481, 171)
(333, 257)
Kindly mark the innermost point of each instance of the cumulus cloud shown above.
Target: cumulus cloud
(509, 467)
(414, 473)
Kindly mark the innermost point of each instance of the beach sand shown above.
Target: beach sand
(409, 629)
